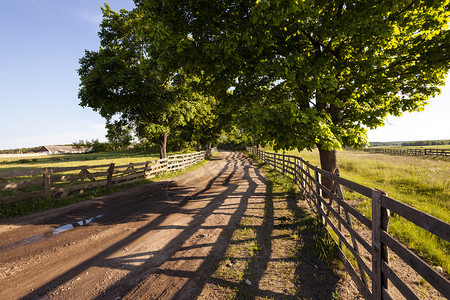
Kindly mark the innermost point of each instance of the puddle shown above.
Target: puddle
(54, 232)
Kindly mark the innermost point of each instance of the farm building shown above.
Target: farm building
(63, 149)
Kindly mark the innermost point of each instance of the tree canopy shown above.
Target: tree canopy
(296, 74)
(308, 73)
(119, 135)
(124, 83)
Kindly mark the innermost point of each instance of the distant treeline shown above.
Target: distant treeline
(411, 143)
(384, 144)
(20, 150)
(426, 143)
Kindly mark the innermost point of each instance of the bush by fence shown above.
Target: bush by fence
(366, 239)
(410, 152)
(61, 182)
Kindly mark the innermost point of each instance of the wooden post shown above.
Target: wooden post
(47, 173)
(146, 170)
(110, 175)
(274, 161)
(295, 171)
(302, 183)
(284, 164)
(318, 179)
(380, 222)
(166, 164)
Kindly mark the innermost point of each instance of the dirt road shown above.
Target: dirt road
(152, 241)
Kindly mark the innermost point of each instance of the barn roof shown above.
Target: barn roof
(62, 149)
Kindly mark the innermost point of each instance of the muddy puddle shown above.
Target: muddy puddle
(54, 232)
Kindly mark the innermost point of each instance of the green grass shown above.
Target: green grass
(119, 158)
(270, 244)
(446, 147)
(36, 204)
(73, 160)
(422, 183)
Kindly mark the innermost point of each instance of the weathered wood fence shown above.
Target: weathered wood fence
(410, 152)
(366, 239)
(59, 182)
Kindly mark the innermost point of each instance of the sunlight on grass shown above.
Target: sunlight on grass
(36, 204)
(82, 159)
(75, 160)
(423, 183)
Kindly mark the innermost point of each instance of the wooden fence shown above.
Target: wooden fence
(410, 152)
(366, 239)
(59, 182)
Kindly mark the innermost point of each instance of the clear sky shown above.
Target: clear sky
(42, 41)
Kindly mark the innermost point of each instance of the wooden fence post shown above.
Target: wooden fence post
(295, 171)
(110, 175)
(284, 164)
(380, 222)
(319, 205)
(166, 164)
(47, 174)
(300, 166)
(146, 170)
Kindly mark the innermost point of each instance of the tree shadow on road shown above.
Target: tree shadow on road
(285, 264)
(240, 236)
(138, 274)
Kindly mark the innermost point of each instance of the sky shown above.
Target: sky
(42, 42)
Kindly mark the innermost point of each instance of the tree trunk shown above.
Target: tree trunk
(163, 145)
(328, 162)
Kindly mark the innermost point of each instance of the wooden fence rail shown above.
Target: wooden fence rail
(410, 152)
(59, 182)
(367, 239)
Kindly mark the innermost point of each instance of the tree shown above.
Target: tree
(119, 135)
(97, 146)
(122, 81)
(206, 126)
(310, 73)
(78, 145)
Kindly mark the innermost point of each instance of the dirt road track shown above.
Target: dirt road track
(153, 241)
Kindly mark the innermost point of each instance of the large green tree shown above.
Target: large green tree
(125, 84)
(312, 73)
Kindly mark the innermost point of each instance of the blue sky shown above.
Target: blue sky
(42, 41)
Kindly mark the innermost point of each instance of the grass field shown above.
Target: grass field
(36, 204)
(445, 147)
(423, 183)
(73, 160)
